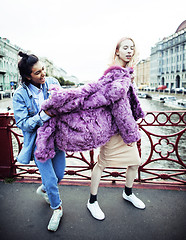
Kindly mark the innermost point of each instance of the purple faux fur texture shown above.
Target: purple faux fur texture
(86, 117)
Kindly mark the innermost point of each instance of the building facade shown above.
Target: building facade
(52, 70)
(49, 67)
(59, 72)
(8, 65)
(168, 60)
(142, 72)
(9, 74)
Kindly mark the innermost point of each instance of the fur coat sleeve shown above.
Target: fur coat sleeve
(110, 88)
(86, 117)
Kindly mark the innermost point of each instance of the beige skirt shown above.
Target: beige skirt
(116, 153)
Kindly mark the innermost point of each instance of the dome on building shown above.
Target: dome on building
(181, 26)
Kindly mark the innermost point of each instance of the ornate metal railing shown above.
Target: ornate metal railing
(162, 150)
(166, 143)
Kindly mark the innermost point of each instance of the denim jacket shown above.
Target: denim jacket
(27, 117)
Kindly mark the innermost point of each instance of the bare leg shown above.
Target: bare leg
(131, 175)
(127, 193)
(95, 179)
(92, 204)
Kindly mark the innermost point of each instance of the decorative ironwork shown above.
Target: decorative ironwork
(165, 142)
(162, 149)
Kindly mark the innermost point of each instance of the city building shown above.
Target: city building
(8, 66)
(168, 60)
(59, 72)
(49, 67)
(142, 73)
(9, 74)
(52, 70)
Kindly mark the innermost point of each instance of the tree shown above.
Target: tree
(64, 82)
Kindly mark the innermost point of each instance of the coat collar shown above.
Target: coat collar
(115, 67)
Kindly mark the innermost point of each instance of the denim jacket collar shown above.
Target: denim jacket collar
(44, 87)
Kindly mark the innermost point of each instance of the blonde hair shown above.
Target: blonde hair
(115, 58)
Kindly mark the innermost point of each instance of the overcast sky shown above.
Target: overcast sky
(79, 35)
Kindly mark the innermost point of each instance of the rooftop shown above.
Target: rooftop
(181, 26)
(24, 215)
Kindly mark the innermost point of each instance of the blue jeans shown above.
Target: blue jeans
(52, 171)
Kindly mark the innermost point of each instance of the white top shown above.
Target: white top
(39, 98)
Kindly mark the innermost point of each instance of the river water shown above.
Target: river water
(147, 105)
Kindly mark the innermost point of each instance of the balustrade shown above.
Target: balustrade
(162, 149)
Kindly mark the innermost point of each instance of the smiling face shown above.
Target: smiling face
(125, 51)
(37, 76)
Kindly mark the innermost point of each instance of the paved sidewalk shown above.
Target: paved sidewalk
(24, 215)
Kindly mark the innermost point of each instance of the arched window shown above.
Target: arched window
(177, 81)
(163, 81)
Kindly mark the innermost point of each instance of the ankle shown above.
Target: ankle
(128, 191)
(93, 198)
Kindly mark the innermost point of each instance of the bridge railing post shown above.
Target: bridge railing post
(7, 168)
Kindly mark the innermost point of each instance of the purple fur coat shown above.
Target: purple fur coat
(86, 117)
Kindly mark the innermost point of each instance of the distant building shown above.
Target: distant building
(9, 74)
(142, 72)
(168, 60)
(59, 72)
(52, 70)
(8, 65)
(49, 67)
(71, 78)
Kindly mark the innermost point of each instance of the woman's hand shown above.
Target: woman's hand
(49, 114)
(131, 144)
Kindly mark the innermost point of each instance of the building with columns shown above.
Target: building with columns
(168, 60)
(8, 65)
(142, 73)
(9, 74)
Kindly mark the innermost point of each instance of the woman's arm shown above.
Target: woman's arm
(109, 89)
(125, 121)
(26, 118)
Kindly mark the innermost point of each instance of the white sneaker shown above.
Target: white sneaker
(42, 194)
(134, 200)
(95, 210)
(55, 219)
